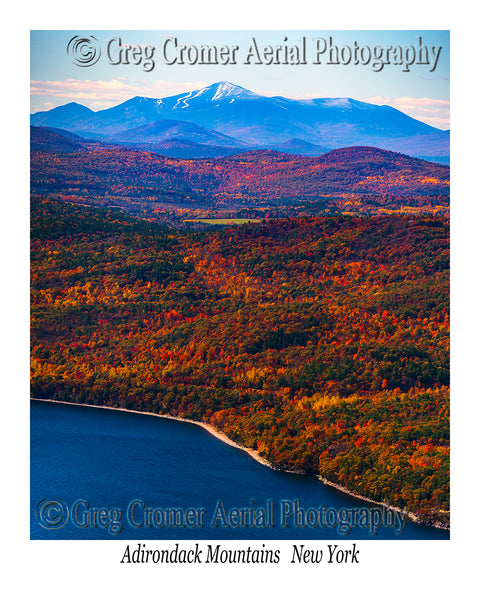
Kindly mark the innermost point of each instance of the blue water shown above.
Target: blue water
(104, 474)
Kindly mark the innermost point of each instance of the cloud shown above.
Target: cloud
(103, 94)
(428, 110)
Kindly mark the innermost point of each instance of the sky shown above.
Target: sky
(373, 66)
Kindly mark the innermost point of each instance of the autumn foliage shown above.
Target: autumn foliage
(321, 342)
(110, 174)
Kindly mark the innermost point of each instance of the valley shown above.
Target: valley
(254, 184)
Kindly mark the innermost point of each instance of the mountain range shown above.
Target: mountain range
(67, 165)
(223, 118)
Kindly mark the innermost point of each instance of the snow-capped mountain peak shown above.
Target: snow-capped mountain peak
(217, 92)
(258, 120)
(225, 89)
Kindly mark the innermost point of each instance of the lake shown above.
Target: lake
(106, 474)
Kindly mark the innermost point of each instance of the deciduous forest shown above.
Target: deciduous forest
(322, 342)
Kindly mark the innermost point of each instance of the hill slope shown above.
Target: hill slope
(322, 343)
(166, 129)
(253, 177)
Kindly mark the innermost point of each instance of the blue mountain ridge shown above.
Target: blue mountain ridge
(250, 119)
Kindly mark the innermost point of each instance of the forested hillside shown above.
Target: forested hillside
(321, 342)
(106, 174)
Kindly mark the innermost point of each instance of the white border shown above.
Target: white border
(91, 569)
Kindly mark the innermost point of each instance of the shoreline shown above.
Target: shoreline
(256, 456)
(210, 428)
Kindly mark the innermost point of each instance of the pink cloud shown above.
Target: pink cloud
(428, 110)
